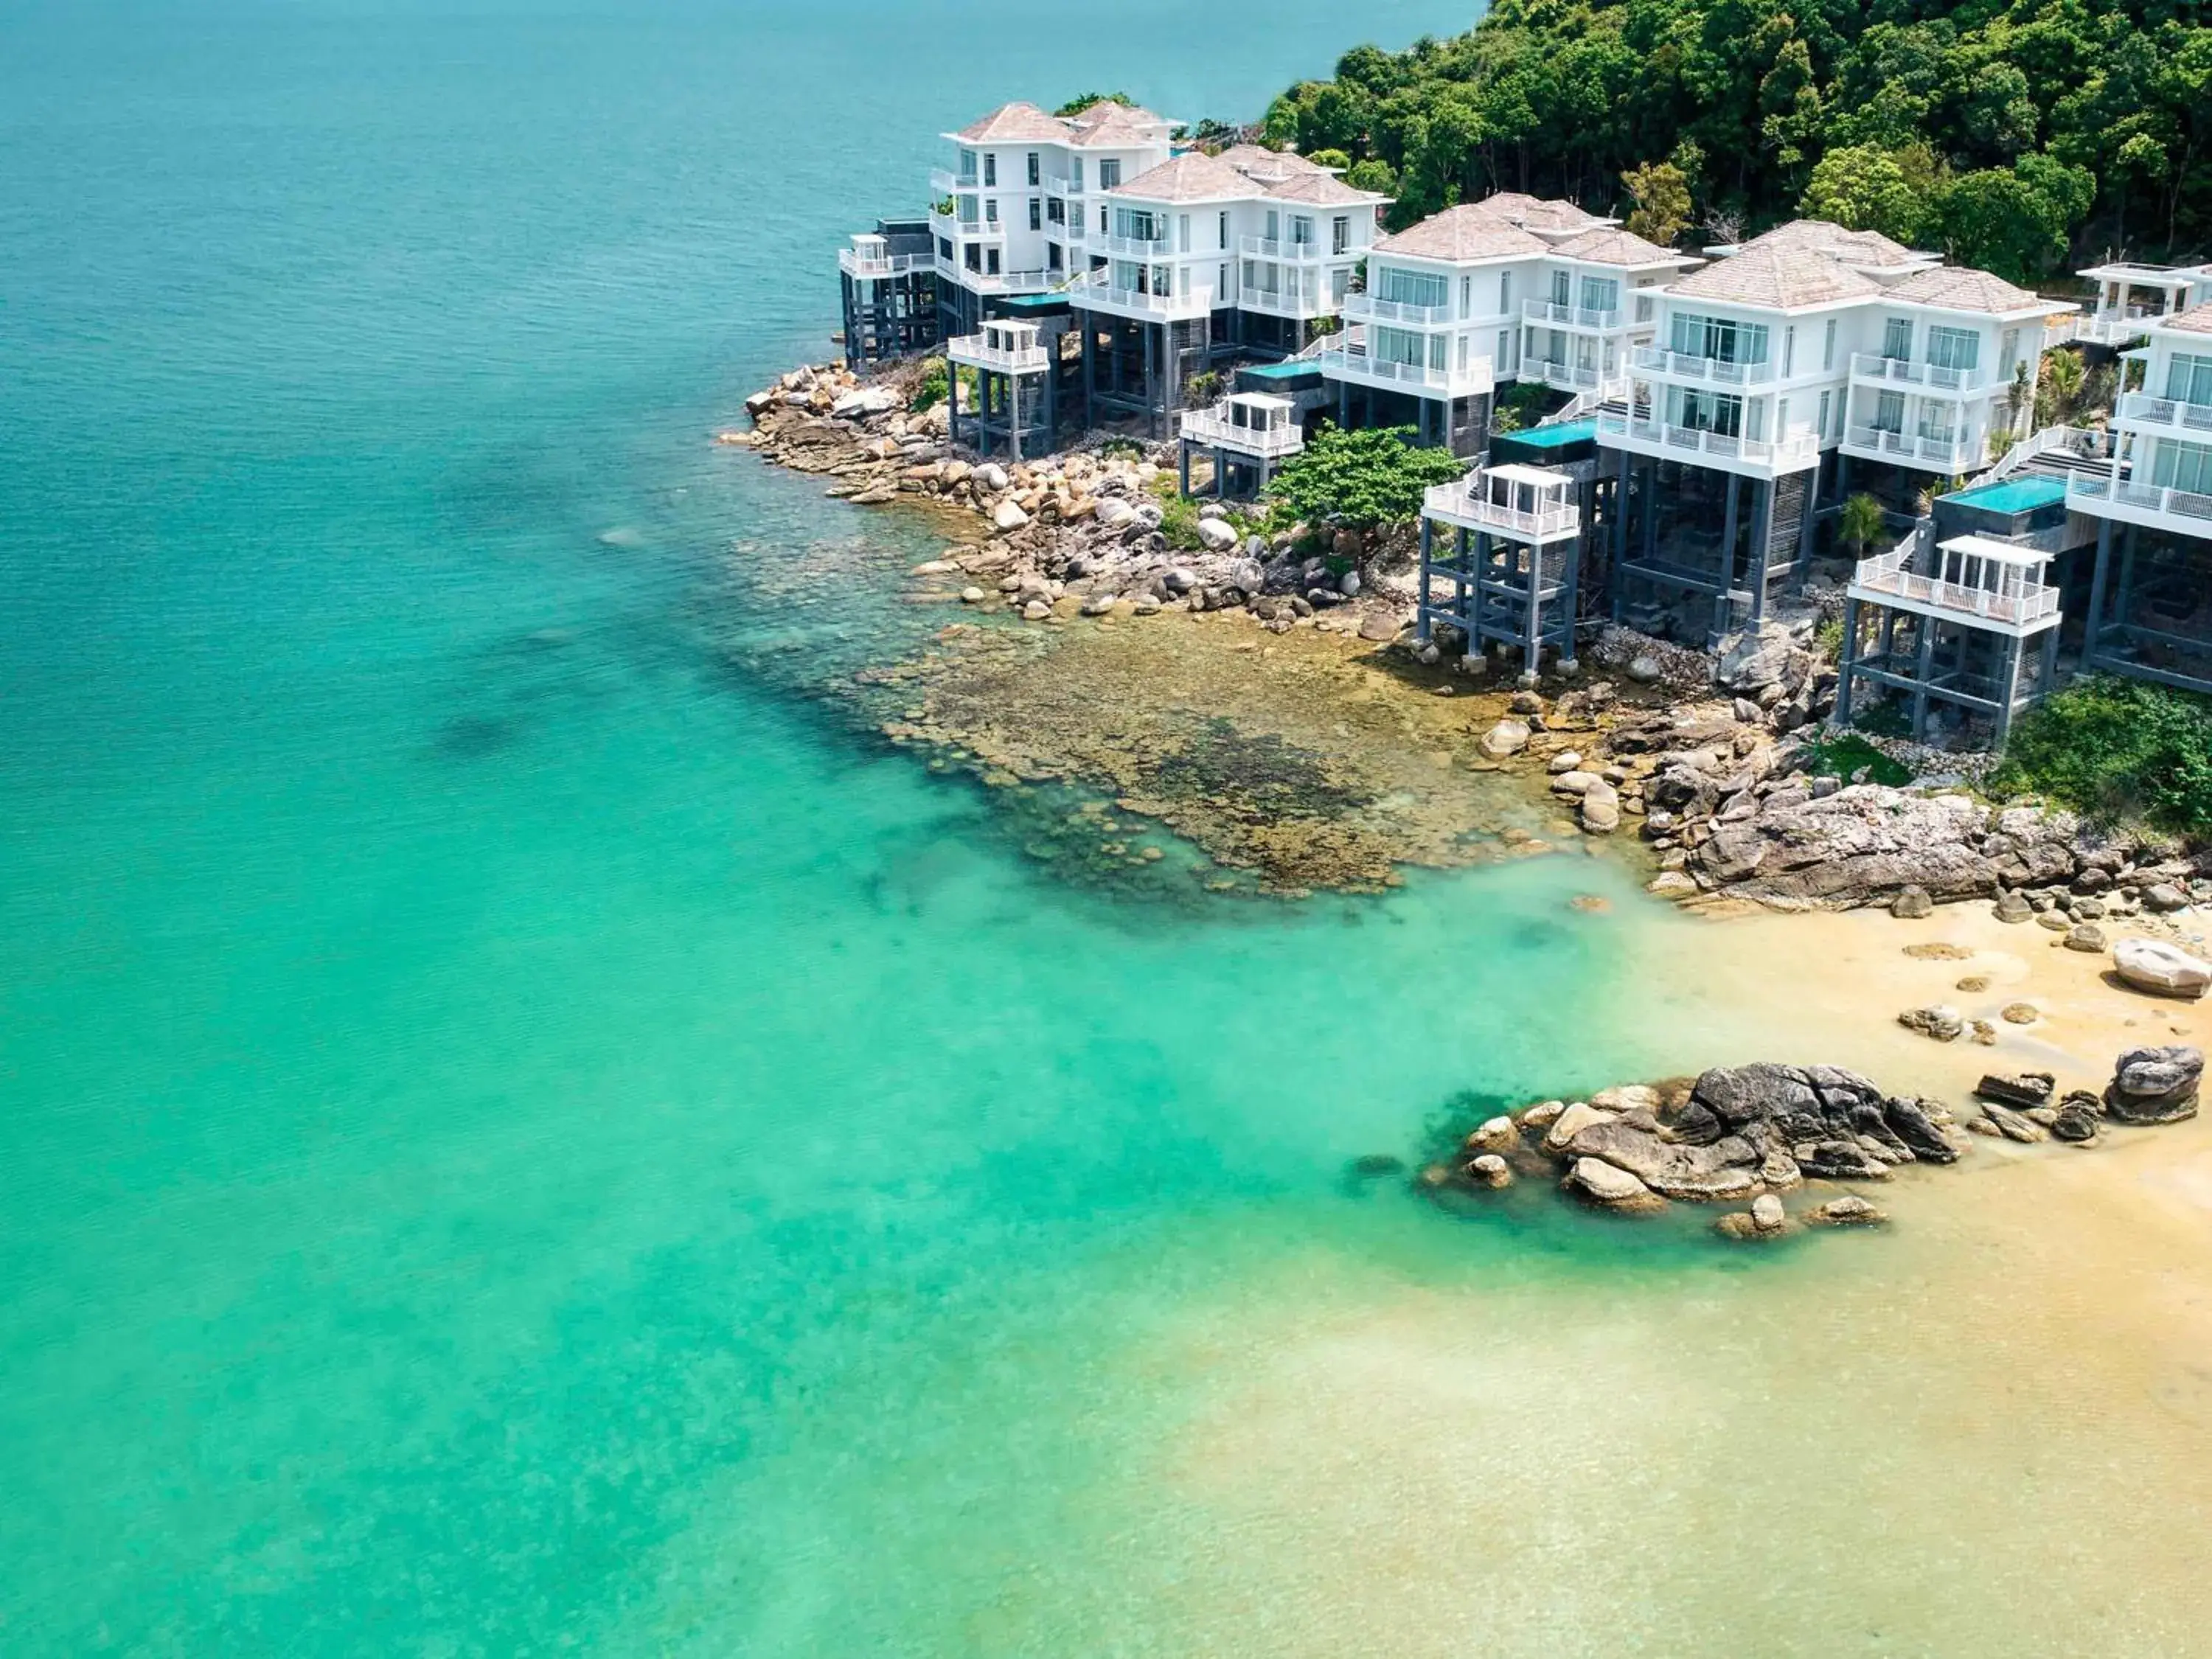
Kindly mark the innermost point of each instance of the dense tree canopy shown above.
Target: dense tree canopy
(1361, 479)
(2016, 135)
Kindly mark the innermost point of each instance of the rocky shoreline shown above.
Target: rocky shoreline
(1712, 764)
(1748, 1134)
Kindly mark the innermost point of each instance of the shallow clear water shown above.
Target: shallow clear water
(518, 1128)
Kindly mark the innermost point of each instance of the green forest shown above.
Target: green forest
(2026, 138)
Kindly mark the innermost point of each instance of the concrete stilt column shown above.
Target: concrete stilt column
(2008, 690)
(1926, 667)
(1421, 626)
(2093, 624)
(1848, 667)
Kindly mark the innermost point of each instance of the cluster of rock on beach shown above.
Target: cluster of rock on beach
(1747, 1134)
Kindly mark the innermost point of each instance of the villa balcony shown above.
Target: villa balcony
(975, 351)
(1703, 371)
(2182, 512)
(1570, 377)
(2141, 412)
(1355, 363)
(998, 281)
(852, 263)
(1307, 253)
(1366, 308)
(1868, 369)
(1287, 301)
(1469, 505)
(946, 183)
(1132, 247)
(1063, 188)
(1214, 429)
(1092, 294)
(967, 230)
(2119, 328)
(2008, 599)
(1948, 455)
(1581, 319)
(1729, 453)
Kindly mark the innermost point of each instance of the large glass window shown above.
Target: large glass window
(2189, 379)
(1601, 293)
(1897, 339)
(968, 164)
(1720, 338)
(990, 169)
(2183, 466)
(1409, 288)
(1889, 411)
(1954, 348)
(1110, 174)
(1339, 233)
(1705, 411)
(1398, 345)
(1137, 224)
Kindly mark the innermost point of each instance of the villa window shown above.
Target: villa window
(1936, 417)
(1889, 411)
(1222, 234)
(1302, 233)
(1601, 293)
(2009, 354)
(1408, 288)
(1110, 174)
(1164, 279)
(1959, 348)
(1075, 175)
(1504, 292)
(1036, 213)
(1340, 284)
(2189, 379)
(990, 169)
(990, 262)
(2183, 466)
(1466, 297)
(973, 256)
(1789, 350)
(1182, 233)
(1340, 234)
(1561, 288)
(1828, 347)
(968, 210)
(1822, 428)
(1055, 210)
(991, 210)
(1129, 275)
(1136, 224)
(1897, 339)
(1722, 340)
(1397, 345)
(1706, 411)
(967, 166)
(1052, 256)
(1035, 171)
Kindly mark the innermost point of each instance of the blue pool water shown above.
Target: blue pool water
(2013, 495)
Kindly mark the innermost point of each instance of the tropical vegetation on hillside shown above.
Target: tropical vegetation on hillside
(2020, 137)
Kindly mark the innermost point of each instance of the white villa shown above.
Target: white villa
(2150, 605)
(1510, 287)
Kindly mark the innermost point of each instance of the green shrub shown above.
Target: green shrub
(1179, 521)
(1361, 479)
(1203, 386)
(1891, 717)
(931, 390)
(1828, 640)
(1127, 447)
(2116, 749)
(1840, 756)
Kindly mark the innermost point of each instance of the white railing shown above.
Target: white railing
(1559, 316)
(1056, 186)
(2051, 439)
(1214, 429)
(1135, 247)
(1866, 366)
(1801, 450)
(1362, 365)
(1950, 454)
(1567, 377)
(976, 349)
(971, 230)
(1095, 289)
(1287, 303)
(1683, 367)
(1464, 502)
(2140, 408)
(2058, 330)
(854, 263)
(1890, 575)
(2092, 491)
(1367, 308)
(2117, 327)
(998, 281)
(1269, 247)
(947, 183)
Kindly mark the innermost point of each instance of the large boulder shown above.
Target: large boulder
(1747, 663)
(2163, 970)
(1218, 535)
(1614, 1188)
(1862, 845)
(1728, 1169)
(2155, 1085)
(1506, 738)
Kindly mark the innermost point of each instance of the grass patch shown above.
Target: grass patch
(1840, 756)
(2117, 750)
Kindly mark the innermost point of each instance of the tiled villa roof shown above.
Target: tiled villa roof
(1959, 287)
(1776, 277)
(1320, 190)
(1116, 128)
(1869, 248)
(1260, 162)
(1016, 124)
(1466, 231)
(1536, 212)
(1105, 108)
(1606, 245)
(2197, 320)
(1192, 177)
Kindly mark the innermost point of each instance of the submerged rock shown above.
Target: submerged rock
(1614, 1188)
(1846, 1211)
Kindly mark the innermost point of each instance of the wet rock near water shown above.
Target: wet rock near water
(2154, 1086)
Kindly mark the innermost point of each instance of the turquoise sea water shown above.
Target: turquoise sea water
(497, 1078)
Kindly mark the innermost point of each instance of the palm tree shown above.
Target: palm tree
(2062, 380)
(1859, 522)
